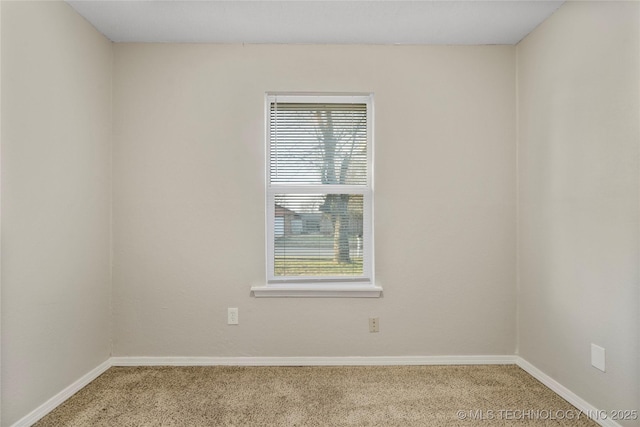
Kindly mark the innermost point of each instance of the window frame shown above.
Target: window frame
(309, 286)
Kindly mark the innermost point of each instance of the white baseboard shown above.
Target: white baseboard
(48, 406)
(314, 361)
(566, 394)
(555, 386)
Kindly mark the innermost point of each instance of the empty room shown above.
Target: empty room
(320, 213)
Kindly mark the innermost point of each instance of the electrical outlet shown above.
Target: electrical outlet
(597, 357)
(374, 324)
(232, 316)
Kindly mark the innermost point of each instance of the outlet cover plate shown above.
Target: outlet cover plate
(374, 324)
(598, 357)
(232, 316)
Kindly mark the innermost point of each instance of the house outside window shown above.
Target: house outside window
(319, 193)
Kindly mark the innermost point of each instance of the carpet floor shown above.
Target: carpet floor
(447, 396)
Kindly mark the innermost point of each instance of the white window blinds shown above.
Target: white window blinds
(319, 189)
(318, 143)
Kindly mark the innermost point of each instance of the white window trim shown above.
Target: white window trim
(314, 287)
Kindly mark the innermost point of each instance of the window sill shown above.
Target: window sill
(334, 290)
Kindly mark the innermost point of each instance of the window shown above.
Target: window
(319, 196)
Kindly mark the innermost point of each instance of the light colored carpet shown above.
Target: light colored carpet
(316, 396)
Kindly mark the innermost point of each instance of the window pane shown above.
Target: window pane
(318, 143)
(318, 235)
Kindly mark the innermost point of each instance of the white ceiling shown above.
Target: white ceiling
(333, 22)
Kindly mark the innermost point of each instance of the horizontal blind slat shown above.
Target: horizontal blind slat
(304, 231)
(318, 143)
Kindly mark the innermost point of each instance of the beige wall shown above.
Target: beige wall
(579, 135)
(56, 130)
(0, 215)
(189, 201)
